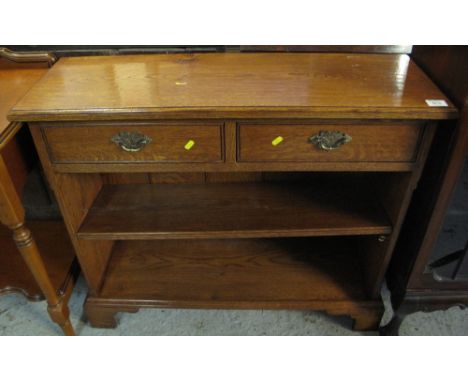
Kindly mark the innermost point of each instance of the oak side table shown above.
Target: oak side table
(234, 180)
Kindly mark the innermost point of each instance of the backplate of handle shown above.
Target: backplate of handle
(131, 141)
(330, 140)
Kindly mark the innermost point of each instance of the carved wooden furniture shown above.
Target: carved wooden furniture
(49, 272)
(256, 181)
(430, 267)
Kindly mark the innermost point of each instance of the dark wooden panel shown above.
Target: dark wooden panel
(177, 177)
(234, 210)
(370, 143)
(420, 276)
(328, 48)
(446, 66)
(90, 50)
(116, 178)
(233, 177)
(56, 251)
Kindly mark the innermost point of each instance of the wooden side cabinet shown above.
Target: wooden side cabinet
(253, 181)
(429, 269)
(46, 267)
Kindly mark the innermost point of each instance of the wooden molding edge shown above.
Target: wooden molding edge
(9, 133)
(28, 57)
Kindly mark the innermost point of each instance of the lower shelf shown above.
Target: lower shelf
(293, 273)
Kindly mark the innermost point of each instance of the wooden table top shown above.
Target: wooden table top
(237, 85)
(15, 81)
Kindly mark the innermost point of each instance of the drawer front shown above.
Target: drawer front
(329, 143)
(181, 143)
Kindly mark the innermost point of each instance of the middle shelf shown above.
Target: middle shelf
(234, 210)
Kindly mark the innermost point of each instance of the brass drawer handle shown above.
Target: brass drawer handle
(330, 140)
(131, 142)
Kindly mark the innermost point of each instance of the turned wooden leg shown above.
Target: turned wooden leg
(99, 316)
(12, 215)
(58, 311)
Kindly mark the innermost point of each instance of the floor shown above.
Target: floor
(20, 317)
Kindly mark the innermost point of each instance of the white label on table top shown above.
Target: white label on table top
(436, 102)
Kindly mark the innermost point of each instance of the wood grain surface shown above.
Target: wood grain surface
(90, 143)
(131, 212)
(251, 271)
(15, 81)
(370, 143)
(233, 85)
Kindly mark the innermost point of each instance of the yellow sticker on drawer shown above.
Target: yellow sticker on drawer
(277, 141)
(189, 145)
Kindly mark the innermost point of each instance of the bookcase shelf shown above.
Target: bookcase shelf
(241, 210)
(299, 273)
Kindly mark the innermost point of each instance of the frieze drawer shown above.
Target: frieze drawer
(123, 143)
(329, 142)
